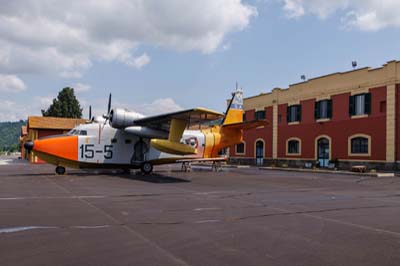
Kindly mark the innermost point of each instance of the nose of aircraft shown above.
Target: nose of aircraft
(28, 145)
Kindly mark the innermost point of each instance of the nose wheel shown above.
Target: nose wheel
(146, 168)
(60, 170)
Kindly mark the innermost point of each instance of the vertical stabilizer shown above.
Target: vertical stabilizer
(234, 113)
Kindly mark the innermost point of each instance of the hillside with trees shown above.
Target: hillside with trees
(9, 135)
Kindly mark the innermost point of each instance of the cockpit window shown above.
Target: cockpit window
(77, 132)
(72, 132)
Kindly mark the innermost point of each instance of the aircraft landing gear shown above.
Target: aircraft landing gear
(146, 168)
(126, 171)
(60, 170)
(186, 167)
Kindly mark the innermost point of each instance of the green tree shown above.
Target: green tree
(65, 105)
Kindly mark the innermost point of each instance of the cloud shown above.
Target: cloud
(80, 87)
(42, 102)
(366, 15)
(12, 111)
(67, 37)
(158, 106)
(140, 61)
(11, 83)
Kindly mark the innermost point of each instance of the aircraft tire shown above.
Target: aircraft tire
(126, 171)
(146, 168)
(60, 170)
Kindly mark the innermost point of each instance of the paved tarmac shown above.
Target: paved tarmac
(235, 217)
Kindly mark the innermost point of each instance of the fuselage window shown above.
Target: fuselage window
(128, 141)
(114, 140)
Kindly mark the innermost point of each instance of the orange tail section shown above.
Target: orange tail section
(234, 113)
(230, 132)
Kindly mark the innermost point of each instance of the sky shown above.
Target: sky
(158, 56)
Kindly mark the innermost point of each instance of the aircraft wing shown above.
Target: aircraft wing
(190, 117)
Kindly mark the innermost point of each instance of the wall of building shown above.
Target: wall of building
(381, 125)
(397, 121)
(338, 129)
(263, 133)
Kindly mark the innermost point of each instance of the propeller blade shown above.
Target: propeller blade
(109, 104)
(90, 112)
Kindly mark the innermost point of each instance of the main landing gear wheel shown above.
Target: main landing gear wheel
(146, 168)
(60, 170)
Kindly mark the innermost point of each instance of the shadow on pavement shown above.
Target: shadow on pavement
(153, 178)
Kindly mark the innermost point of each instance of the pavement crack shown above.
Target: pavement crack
(310, 212)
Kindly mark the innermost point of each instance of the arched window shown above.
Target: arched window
(360, 145)
(293, 146)
(240, 148)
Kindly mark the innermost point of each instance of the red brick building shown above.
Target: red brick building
(337, 120)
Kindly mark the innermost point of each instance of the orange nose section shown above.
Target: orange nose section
(65, 147)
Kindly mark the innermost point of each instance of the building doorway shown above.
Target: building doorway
(260, 152)
(323, 152)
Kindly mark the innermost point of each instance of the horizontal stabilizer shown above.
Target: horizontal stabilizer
(247, 124)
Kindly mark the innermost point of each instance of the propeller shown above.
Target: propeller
(90, 112)
(109, 104)
(107, 116)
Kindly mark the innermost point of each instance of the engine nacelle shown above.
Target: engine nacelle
(146, 132)
(121, 118)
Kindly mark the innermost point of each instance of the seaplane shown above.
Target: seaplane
(123, 139)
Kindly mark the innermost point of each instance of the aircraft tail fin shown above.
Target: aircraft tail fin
(234, 112)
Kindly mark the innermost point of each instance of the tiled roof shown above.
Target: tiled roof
(40, 122)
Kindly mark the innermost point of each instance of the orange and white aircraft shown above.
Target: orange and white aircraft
(128, 140)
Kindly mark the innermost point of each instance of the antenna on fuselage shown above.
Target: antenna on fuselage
(90, 112)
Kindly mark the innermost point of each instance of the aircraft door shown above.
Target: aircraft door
(140, 151)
